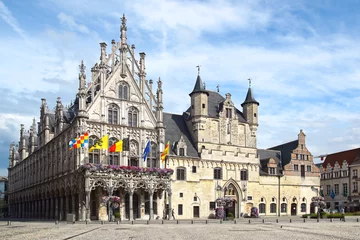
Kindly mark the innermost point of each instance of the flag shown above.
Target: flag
(102, 143)
(165, 152)
(146, 150)
(116, 147)
(322, 158)
(71, 144)
(84, 140)
(332, 195)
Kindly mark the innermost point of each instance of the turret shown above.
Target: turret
(123, 47)
(11, 155)
(82, 91)
(142, 73)
(59, 116)
(22, 143)
(199, 98)
(250, 110)
(159, 105)
(32, 136)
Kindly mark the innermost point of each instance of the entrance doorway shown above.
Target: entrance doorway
(293, 209)
(196, 211)
(136, 209)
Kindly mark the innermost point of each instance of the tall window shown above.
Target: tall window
(355, 187)
(180, 174)
(94, 156)
(244, 175)
(132, 117)
(228, 113)
(273, 208)
(296, 167)
(113, 114)
(151, 160)
(327, 189)
(345, 189)
(308, 168)
(181, 152)
(303, 207)
(124, 91)
(217, 173)
(283, 207)
(262, 208)
(355, 173)
(180, 209)
(272, 171)
(336, 189)
(113, 157)
(302, 170)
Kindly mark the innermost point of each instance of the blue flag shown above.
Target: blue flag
(332, 195)
(146, 150)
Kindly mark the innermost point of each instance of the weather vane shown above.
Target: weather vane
(249, 82)
(218, 88)
(198, 67)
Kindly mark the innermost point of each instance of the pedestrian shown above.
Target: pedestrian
(343, 214)
(173, 213)
(164, 214)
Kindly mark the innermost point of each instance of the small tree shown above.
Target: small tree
(318, 202)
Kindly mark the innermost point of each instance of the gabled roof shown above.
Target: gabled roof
(350, 156)
(176, 127)
(250, 98)
(286, 150)
(265, 155)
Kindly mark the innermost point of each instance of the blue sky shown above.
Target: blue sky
(303, 57)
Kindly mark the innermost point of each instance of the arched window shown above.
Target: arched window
(124, 91)
(94, 156)
(262, 208)
(283, 207)
(132, 117)
(303, 207)
(151, 160)
(113, 114)
(272, 207)
(113, 157)
(244, 175)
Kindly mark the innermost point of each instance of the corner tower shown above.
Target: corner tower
(250, 110)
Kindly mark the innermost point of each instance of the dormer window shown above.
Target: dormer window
(228, 113)
(181, 152)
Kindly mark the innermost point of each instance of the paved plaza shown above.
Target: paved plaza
(213, 229)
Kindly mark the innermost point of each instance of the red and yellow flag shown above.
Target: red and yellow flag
(116, 147)
(165, 152)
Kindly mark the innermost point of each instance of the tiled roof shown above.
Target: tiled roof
(350, 156)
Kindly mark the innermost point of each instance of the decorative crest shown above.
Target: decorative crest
(82, 68)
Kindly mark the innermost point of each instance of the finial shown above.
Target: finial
(159, 83)
(249, 82)
(82, 68)
(198, 67)
(218, 88)
(123, 22)
(204, 85)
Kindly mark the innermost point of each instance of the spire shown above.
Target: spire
(123, 29)
(199, 86)
(250, 96)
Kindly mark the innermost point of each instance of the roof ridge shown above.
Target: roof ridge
(282, 145)
(343, 151)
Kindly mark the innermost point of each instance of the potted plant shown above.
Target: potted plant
(117, 216)
(230, 216)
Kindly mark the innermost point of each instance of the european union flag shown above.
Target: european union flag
(332, 195)
(146, 150)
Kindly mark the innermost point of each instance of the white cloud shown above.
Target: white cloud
(70, 22)
(7, 16)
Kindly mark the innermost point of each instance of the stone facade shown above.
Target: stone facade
(213, 152)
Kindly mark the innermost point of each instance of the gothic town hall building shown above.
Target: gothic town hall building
(213, 152)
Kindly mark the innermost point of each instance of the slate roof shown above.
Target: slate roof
(176, 127)
(199, 87)
(350, 156)
(215, 101)
(250, 98)
(265, 155)
(286, 150)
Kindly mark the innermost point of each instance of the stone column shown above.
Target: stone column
(73, 203)
(56, 208)
(131, 210)
(61, 213)
(67, 205)
(151, 204)
(87, 205)
(170, 204)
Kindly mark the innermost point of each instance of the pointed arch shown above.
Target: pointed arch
(236, 186)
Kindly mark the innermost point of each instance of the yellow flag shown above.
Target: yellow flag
(102, 143)
(165, 152)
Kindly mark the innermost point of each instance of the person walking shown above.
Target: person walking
(173, 213)
(342, 214)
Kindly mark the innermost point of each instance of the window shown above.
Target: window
(94, 156)
(180, 174)
(151, 160)
(355, 173)
(336, 174)
(181, 152)
(355, 186)
(228, 113)
(297, 156)
(132, 117)
(254, 114)
(113, 157)
(113, 116)
(262, 208)
(345, 189)
(123, 91)
(195, 199)
(345, 173)
(283, 207)
(180, 209)
(327, 189)
(307, 157)
(181, 194)
(272, 171)
(193, 169)
(273, 208)
(249, 198)
(336, 189)
(203, 105)
(303, 207)
(302, 170)
(302, 146)
(212, 206)
(296, 167)
(273, 199)
(218, 173)
(308, 168)
(244, 175)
